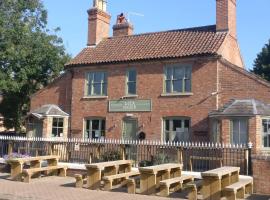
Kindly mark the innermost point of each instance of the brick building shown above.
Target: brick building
(174, 85)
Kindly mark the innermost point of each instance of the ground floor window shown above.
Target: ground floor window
(176, 129)
(216, 131)
(95, 128)
(266, 132)
(239, 131)
(57, 127)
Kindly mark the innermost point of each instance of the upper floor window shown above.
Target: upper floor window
(57, 127)
(266, 132)
(178, 79)
(239, 131)
(131, 82)
(96, 84)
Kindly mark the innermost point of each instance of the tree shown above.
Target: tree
(31, 56)
(262, 62)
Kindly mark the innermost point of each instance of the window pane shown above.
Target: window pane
(177, 86)
(103, 125)
(177, 124)
(97, 89)
(98, 77)
(235, 130)
(178, 73)
(95, 124)
(167, 125)
(60, 123)
(132, 75)
(188, 72)
(132, 88)
(104, 89)
(168, 87)
(54, 132)
(186, 123)
(168, 73)
(55, 122)
(187, 85)
(243, 131)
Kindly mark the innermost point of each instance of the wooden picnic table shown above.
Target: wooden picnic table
(151, 176)
(217, 179)
(108, 168)
(34, 162)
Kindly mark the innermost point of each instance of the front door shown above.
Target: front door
(130, 127)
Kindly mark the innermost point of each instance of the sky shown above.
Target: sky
(253, 20)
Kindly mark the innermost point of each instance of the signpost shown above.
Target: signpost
(130, 105)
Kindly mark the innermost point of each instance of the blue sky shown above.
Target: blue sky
(253, 19)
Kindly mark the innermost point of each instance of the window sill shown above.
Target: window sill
(176, 94)
(95, 97)
(130, 96)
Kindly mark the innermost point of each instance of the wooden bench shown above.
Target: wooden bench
(80, 179)
(175, 183)
(120, 179)
(238, 189)
(52, 170)
(204, 158)
(193, 189)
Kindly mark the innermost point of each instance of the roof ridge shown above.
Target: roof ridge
(195, 28)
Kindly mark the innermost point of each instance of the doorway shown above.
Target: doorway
(130, 127)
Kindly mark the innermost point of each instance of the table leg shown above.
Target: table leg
(16, 170)
(148, 183)
(35, 164)
(211, 188)
(93, 178)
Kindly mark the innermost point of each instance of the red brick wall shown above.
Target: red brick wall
(234, 83)
(149, 86)
(58, 93)
(261, 174)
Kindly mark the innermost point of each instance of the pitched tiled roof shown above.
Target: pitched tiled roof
(169, 44)
(244, 107)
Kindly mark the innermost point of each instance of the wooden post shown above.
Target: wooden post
(247, 161)
(180, 155)
(123, 152)
(10, 148)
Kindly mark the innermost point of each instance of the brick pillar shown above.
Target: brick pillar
(261, 173)
(225, 131)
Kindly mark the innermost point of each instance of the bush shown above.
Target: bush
(145, 163)
(111, 156)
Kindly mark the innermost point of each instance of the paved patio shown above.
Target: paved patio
(57, 188)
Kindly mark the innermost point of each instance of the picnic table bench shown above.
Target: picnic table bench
(151, 176)
(108, 168)
(120, 179)
(34, 162)
(51, 170)
(217, 179)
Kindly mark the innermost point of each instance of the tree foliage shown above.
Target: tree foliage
(262, 62)
(31, 56)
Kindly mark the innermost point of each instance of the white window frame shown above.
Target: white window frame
(57, 127)
(173, 67)
(183, 119)
(239, 131)
(103, 81)
(128, 81)
(91, 119)
(263, 133)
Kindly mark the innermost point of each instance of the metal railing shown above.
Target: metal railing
(194, 156)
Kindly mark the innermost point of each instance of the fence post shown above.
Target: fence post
(248, 157)
(123, 152)
(10, 148)
(180, 155)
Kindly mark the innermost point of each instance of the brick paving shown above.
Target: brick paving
(57, 188)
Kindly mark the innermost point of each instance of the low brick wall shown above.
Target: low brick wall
(261, 174)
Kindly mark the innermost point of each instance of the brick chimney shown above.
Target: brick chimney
(122, 26)
(226, 16)
(98, 22)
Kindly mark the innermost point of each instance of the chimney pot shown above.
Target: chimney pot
(122, 26)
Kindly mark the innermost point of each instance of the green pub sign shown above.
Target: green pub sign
(130, 105)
